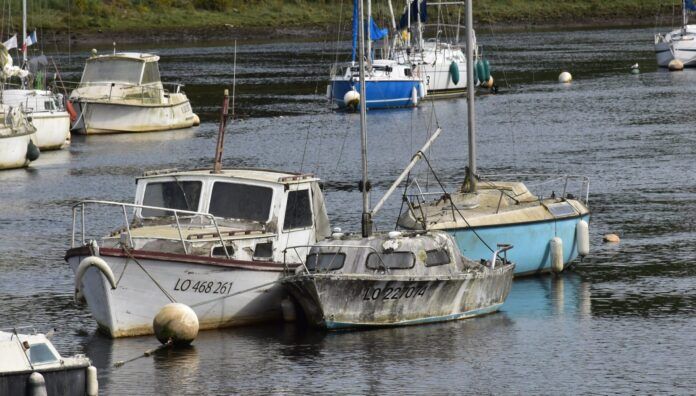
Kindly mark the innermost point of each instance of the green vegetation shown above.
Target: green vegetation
(127, 15)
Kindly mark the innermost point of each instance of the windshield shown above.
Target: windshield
(41, 353)
(182, 195)
(241, 201)
(113, 70)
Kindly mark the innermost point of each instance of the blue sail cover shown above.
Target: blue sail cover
(689, 5)
(376, 33)
(403, 22)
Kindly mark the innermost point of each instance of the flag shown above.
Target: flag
(11, 43)
(31, 39)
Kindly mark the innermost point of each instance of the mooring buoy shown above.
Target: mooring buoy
(565, 77)
(675, 65)
(352, 99)
(177, 323)
(611, 238)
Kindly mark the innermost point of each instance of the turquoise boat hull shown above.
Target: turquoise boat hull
(531, 250)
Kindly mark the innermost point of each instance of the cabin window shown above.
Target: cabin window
(407, 72)
(391, 260)
(436, 257)
(182, 195)
(151, 73)
(263, 251)
(298, 211)
(113, 70)
(241, 201)
(41, 353)
(49, 105)
(220, 251)
(325, 261)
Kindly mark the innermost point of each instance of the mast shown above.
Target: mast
(366, 217)
(684, 17)
(24, 32)
(369, 31)
(471, 174)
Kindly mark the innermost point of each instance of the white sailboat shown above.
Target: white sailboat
(549, 231)
(122, 92)
(45, 108)
(395, 279)
(679, 44)
(439, 59)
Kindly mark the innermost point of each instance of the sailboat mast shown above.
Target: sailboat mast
(369, 30)
(684, 17)
(24, 32)
(470, 96)
(366, 217)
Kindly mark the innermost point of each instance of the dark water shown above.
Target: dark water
(621, 322)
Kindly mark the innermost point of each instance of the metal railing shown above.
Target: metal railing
(583, 193)
(145, 94)
(127, 224)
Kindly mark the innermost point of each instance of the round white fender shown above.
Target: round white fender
(414, 96)
(582, 234)
(92, 261)
(556, 254)
(91, 382)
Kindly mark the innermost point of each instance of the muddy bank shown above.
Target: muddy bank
(228, 33)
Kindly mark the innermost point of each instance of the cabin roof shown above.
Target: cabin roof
(264, 175)
(128, 55)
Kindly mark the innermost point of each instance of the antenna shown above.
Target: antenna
(224, 111)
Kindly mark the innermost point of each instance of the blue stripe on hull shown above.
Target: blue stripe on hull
(531, 250)
(331, 325)
(380, 94)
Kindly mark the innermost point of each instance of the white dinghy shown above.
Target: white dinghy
(31, 365)
(17, 139)
(122, 92)
(215, 240)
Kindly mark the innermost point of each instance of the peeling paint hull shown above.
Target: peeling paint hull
(102, 118)
(337, 301)
(129, 309)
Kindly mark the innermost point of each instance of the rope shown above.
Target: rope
(128, 253)
(242, 291)
(147, 353)
(454, 207)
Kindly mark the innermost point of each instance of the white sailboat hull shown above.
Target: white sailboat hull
(100, 118)
(678, 44)
(209, 289)
(52, 129)
(13, 151)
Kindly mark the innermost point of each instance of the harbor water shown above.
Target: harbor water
(621, 321)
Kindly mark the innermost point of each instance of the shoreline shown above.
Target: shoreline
(84, 39)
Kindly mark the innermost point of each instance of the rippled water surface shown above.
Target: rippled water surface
(622, 322)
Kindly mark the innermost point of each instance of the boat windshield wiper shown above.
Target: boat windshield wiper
(183, 192)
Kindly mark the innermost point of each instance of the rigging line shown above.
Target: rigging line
(128, 253)
(454, 207)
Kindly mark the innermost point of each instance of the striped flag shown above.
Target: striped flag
(30, 40)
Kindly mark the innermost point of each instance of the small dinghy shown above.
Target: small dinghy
(396, 279)
(31, 365)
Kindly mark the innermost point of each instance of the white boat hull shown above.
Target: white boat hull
(52, 129)
(676, 45)
(13, 151)
(100, 118)
(128, 310)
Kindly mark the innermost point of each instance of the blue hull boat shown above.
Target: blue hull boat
(380, 94)
(532, 253)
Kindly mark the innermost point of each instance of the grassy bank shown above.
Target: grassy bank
(134, 15)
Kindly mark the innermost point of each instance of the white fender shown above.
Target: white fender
(92, 261)
(582, 235)
(414, 96)
(556, 254)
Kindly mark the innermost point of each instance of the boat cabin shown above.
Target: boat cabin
(119, 77)
(380, 68)
(240, 214)
(395, 253)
